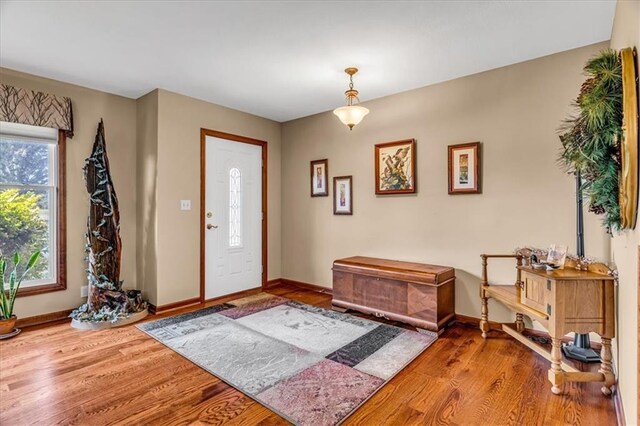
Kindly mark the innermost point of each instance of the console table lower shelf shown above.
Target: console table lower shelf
(563, 301)
(569, 373)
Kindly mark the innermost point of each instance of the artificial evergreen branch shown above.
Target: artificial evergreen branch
(590, 140)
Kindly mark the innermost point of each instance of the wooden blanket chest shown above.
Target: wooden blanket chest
(415, 293)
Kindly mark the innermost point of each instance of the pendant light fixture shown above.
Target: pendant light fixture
(351, 114)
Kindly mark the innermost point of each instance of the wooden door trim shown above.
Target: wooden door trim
(203, 174)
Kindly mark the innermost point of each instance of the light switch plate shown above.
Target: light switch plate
(185, 204)
(84, 291)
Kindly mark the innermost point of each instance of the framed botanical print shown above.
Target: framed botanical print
(319, 178)
(342, 195)
(464, 168)
(395, 167)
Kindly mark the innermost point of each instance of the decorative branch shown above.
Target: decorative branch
(107, 301)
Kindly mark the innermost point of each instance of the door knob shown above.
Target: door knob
(210, 226)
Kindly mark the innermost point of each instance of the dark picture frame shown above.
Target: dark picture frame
(464, 165)
(343, 195)
(319, 178)
(395, 167)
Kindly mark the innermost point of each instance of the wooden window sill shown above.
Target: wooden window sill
(41, 289)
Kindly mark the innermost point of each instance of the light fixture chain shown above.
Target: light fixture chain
(351, 114)
(350, 92)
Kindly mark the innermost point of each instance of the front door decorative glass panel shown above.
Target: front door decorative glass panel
(235, 208)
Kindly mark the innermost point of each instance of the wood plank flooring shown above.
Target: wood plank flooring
(57, 375)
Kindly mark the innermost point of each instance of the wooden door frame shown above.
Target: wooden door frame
(203, 176)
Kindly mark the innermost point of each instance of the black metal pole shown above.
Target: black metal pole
(579, 217)
(581, 348)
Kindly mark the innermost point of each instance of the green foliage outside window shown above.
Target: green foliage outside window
(22, 230)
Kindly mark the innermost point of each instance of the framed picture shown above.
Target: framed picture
(342, 195)
(319, 178)
(464, 168)
(395, 167)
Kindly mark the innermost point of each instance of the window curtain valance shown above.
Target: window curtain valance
(23, 106)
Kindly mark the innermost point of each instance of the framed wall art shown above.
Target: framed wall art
(395, 167)
(464, 168)
(319, 178)
(342, 195)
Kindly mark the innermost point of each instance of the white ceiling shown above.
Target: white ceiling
(284, 60)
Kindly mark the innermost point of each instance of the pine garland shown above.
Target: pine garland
(590, 140)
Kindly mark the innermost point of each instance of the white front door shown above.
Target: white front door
(233, 217)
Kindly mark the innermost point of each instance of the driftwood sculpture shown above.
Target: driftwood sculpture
(107, 301)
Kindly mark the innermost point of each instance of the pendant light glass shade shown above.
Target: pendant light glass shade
(351, 114)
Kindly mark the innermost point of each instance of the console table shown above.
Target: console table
(563, 301)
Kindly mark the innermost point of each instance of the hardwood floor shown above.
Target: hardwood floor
(57, 375)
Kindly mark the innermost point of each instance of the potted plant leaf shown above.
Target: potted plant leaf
(10, 290)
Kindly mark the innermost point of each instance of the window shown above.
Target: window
(235, 208)
(32, 213)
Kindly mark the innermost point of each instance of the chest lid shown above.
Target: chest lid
(393, 269)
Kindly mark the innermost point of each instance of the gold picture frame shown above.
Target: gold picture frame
(629, 145)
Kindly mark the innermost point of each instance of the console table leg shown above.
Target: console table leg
(606, 368)
(556, 375)
(484, 317)
(519, 323)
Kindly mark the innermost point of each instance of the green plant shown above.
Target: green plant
(591, 140)
(13, 285)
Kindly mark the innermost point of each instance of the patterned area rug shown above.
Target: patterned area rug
(310, 365)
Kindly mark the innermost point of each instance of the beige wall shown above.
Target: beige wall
(119, 116)
(146, 175)
(624, 249)
(514, 111)
(180, 119)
